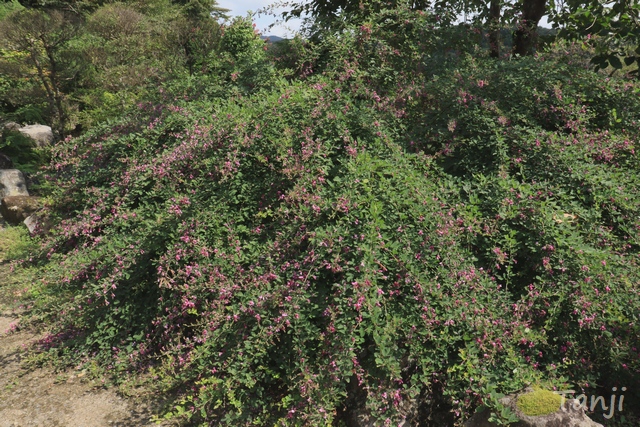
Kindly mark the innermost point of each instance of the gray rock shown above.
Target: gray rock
(12, 183)
(37, 222)
(11, 126)
(570, 414)
(41, 134)
(15, 209)
(5, 162)
(31, 222)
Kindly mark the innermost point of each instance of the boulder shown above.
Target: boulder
(41, 134)
(568, 413)
(5, 162)
(12, 183)
(15, 209)
(11, 126)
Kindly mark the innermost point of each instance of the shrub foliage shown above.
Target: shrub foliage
(392, 232)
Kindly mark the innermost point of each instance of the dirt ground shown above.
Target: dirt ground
(41, 397)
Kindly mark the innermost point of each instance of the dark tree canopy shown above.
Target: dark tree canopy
(618, 22)
(76, 6)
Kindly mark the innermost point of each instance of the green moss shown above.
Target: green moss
(539, 402)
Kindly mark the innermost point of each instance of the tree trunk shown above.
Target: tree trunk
(58, 97)
(42, 75)
(494, 28)
(526, 36)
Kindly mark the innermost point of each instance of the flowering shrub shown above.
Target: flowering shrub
(370, 238)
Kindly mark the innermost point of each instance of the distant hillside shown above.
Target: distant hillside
(272, 39)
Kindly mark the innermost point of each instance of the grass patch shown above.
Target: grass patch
(16, 281)
(15, 243)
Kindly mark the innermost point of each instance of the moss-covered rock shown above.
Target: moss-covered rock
(539, 402)
(537, 408)
(16, 209)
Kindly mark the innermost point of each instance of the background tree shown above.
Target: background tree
(197, 30)
(73, 6)
(44, 37)
(75, 63)
(525, 36)
(612, 28)
(521, 15)
(202, 9)
(494, 28)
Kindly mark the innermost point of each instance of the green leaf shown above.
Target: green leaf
(615, 62)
